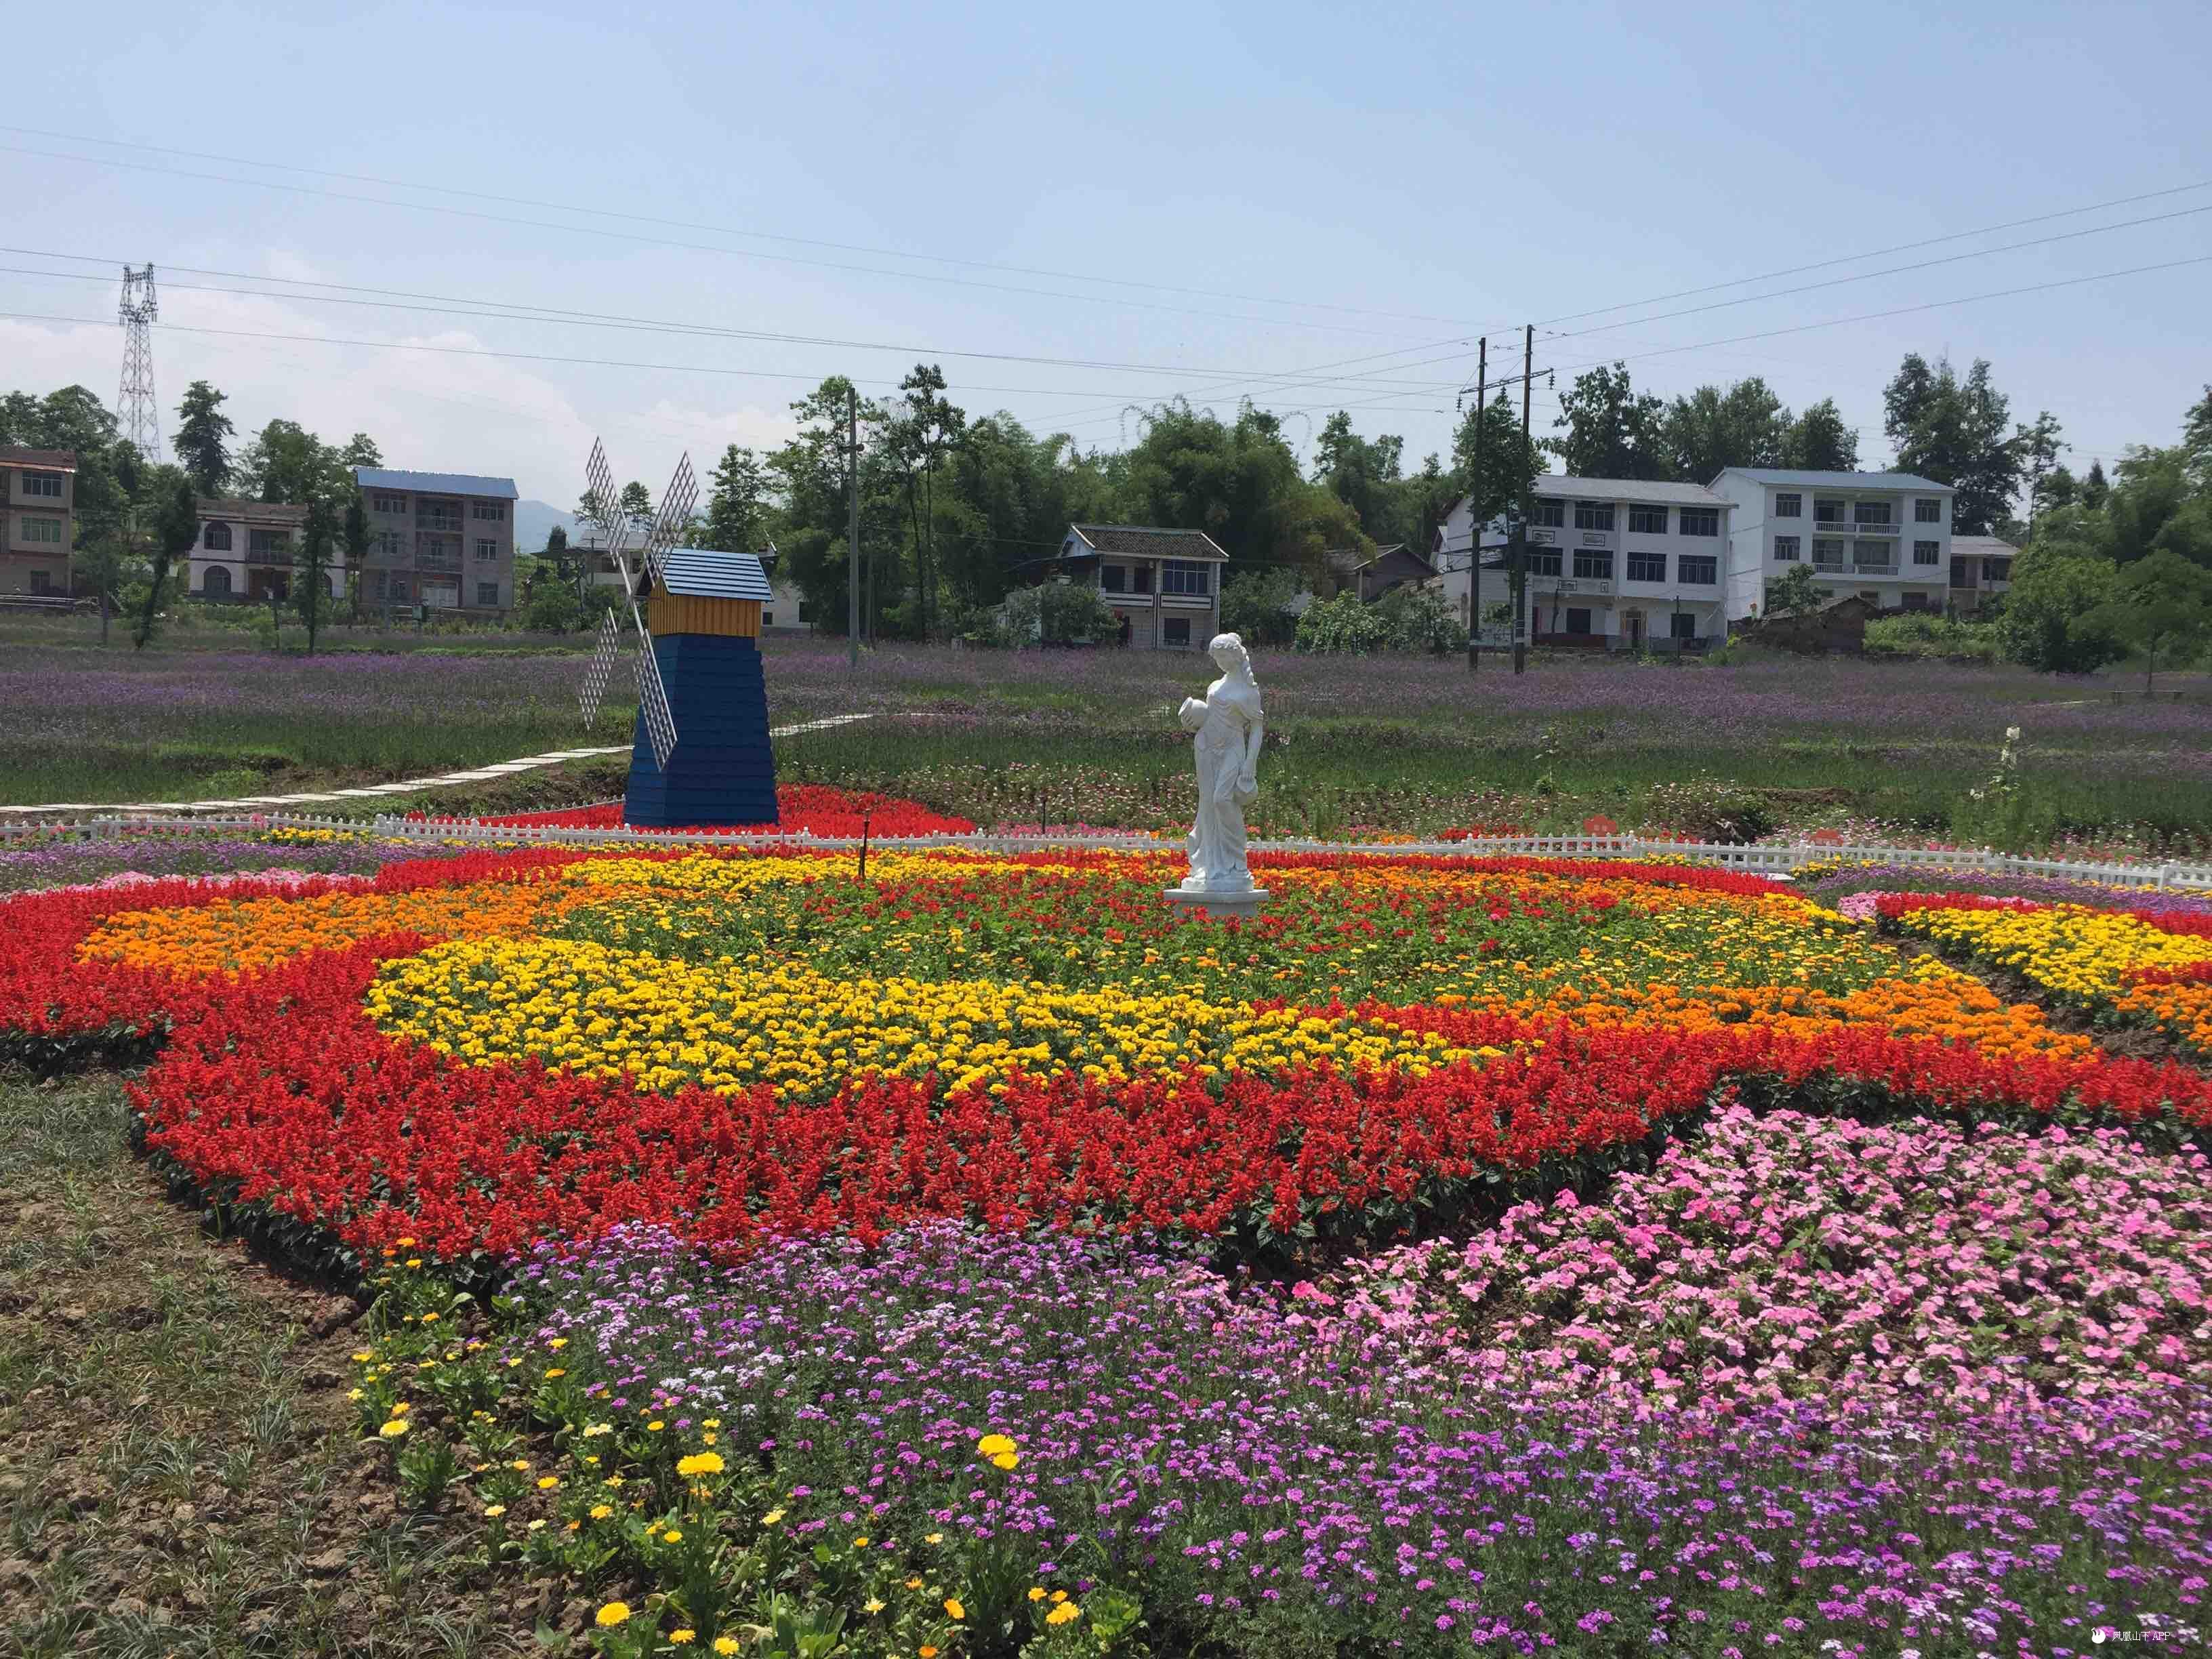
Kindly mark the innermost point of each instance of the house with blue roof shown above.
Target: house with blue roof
(441, 539)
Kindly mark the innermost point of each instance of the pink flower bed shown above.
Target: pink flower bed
(1774, 1257)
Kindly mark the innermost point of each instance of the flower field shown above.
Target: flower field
(980, 1259)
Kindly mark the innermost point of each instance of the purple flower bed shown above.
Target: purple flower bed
(2041, 890)
(1266, 1485)
(82, 863)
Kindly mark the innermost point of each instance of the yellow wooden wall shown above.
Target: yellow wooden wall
(676, 613)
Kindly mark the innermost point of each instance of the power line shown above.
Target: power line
(696, 248)
(468, 305)
(726, 230)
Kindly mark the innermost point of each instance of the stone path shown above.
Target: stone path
(373, 792)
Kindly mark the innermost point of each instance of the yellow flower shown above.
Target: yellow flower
(547, 1482)
(928, 1651)
(655, 1427)
(402, 1244)
(558, 1343)
(1036, 1592)
(615, 1613)
(934, 1538)
(593, 1431)
(1059, 1595)
(953, 1610)
(699, 1463)
(601, 1511)
(1006, 1460)
(494, 1510)
(771, 1517)
(363, 1358)
(711, 1423)
(871, 1606)
(914, 1583)
(680, 1637)
(725, 1644)
(401, 1409)
(1062, 1613)
(521, 1465)
(394, 1429)
(554, 1372)
(859, 1543)
(991, 1445)
(673, 1535)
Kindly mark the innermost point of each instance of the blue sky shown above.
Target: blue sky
(1217, 200)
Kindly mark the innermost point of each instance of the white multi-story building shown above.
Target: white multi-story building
(1884, 537)
(1615, 562)
(442, 540)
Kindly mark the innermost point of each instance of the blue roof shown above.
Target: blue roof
(701, 573)
(1783, 475)
(435, 484)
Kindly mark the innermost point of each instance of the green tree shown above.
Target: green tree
(1258, 606)
(311, 566)
(1957, 432)
(1796, 592)
(1341, 626)
(1711, 430)
(1612, 431)
(2053, 617)
(353, 536)
(202, 438)
(285, 462)
(2096, 487)
(1819, 441)
(176, 526)
(1364, 475)
(738, 506)
(360, 450)
(635, 505)
(2039, 446)
(2162, 604)
(1508, 462)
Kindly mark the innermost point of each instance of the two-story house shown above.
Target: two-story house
(443, 540)
(1882, 537)
(1981, 571)
(1164, 587)
(246, 550)
(1617, 562)
(38, 520)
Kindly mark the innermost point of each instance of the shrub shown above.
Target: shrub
(1341, 626)
(1931, 634)
(1056, 613)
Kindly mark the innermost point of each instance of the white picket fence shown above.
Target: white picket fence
(1777, 860)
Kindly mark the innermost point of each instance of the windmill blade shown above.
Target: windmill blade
(652, 699)
(599, 479)
(602, 668)
(676, 504)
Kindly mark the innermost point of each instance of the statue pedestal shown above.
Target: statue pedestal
(1245, 906)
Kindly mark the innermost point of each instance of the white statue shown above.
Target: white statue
(1228, 730)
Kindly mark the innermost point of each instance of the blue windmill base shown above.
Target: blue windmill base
(721, 771)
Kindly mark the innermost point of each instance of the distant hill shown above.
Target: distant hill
(533, 518)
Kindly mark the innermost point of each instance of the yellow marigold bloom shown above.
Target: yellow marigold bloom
(601, 1511)
(673, 1535)
(710, 1423)
(953, 1610)
(394, 1429)
(401, 1409)
(1006, 1460)
(547, 1482)
(934, 1538)
(992, 1444)
(557, 1343)
(871, 1606)
(680, 1637)
(655, 1427)
(1062, 1613)
(725, 1644)
(699, 1463)
(1059, 1595)
(914, 1583)
(1036, 1592)
(859, 1543)
(494, 1510)
(771, 1517)
(363, 1358)
(615, 1613)
(592, 1430)
(554, 1371)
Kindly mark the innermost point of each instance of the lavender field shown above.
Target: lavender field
(1397, 742)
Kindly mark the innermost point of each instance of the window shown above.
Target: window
(768, 618)
(1549, 515)
(1682, 625)
(1790, 506)
(1544, 562)
(1827, 510)
(1874, 556)
(1140, 579)
(1701, 522)
(1647, 566)
(1594, 564)
(398, 586)
(1786, 550)
(41, 582)
(387, 503)
(487, 551)
(42, 530)
(1870, 512)
(1928, 509)
(1996, 570)
(48, 484)
(389, 544)
(1826, 554)
(493, 511)
(383, 579)
(1647, 521)
(1915, 602)
(1926, 552)
(488, 594)
(1177, 630)
(218, 539)
(1962, 573)
(802, 613)
(1698, 569)
(1185, 576)
(1578, 622)
(267, 543)
(1593, 515)
(216, 583)
(1114, 578)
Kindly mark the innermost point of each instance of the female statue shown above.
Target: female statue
(1228, 729)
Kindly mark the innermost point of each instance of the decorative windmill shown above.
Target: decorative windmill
(700, 753)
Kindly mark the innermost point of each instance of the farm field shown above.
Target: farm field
(1473, 1255)
(1734, 750)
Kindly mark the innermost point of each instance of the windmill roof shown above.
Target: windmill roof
(705, 573)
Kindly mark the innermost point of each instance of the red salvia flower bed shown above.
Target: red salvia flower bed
(819, 808)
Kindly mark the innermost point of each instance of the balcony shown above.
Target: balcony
(279, 556)
(436, 561)
(1861, 569)
(1858, 529)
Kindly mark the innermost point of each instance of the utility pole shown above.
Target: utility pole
(136, 417)
(1475, 512)
(1521, 517)
(853, 526)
